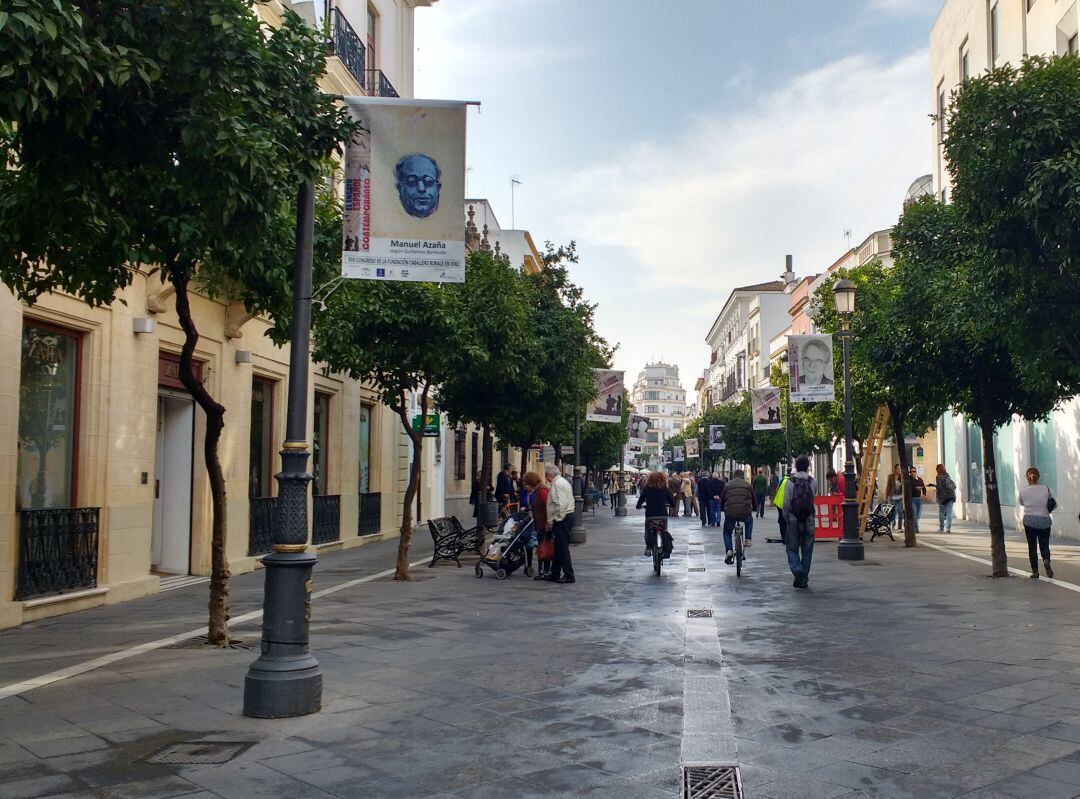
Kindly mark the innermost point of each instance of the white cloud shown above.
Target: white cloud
(904, 7)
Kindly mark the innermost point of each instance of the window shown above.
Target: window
(1073, 47)
(48, 417)
(974, 463)
(475, 448)
(1029, 4)
(365, 449)
(1004, 459)
(941, 110)
(459, 454)
(320, 443)
(1043, 454)
(372, 24)
(994, 34)
(261, 442)
(965, 61)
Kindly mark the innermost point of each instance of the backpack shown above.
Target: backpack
(802, 498)
(948, 492)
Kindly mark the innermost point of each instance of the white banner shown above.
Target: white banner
(716, 438)
(607, 407)
(639, 431)
(404, 191)
(765, 407)
(678, 453)
(691, 447)
(665, 456)
(810, 368)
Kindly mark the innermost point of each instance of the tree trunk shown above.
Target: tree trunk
(416, 437)
(993, 500)
(901, 451)
(558, 454)
(218, 623)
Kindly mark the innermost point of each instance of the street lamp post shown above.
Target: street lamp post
(787, 418)
(850, 547)
(286, 680)
(579, 498)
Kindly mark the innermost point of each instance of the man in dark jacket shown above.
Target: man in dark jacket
(504, 486)
(716, 493)
(738, 499)
(674, 485)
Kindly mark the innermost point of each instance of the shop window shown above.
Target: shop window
(260, 451)
(974, 464)
(1044, 453)
(1005, 457)
(365, 449)
(320, 444)
(48, 417)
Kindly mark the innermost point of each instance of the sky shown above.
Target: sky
(686, 145)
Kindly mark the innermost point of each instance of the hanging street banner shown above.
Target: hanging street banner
(678, 453)
(607, 407)
(716, 438)
(691, 447)
(665, 456)
(639, 431)
(765, 407)
(810, 368)
(404, 191)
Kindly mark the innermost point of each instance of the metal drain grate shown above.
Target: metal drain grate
(711, 781)
(189, 753)
(201, 642)
(699, 613)
(695, 569)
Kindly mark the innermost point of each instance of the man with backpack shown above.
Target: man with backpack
(798, 509)
(946, 498)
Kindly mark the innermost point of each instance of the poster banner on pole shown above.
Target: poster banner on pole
(691, 447)
(639, 431)
(716, 438)
(607, 407)
(404, 191)
(679, 453)
(810, 368)
(665, 456)
(765, 405)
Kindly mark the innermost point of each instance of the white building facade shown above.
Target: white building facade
(658, 394)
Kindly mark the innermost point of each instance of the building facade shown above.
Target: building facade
(658, 394)
(103, 492)
(968, 38)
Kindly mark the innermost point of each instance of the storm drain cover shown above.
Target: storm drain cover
(699, 613)
(711, 781)
(189, 753)
(696, 569)
(201, 642)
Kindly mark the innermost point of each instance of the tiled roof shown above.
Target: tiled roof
(772, 285)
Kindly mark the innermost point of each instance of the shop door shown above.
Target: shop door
(171, 541)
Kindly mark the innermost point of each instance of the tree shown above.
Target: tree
(164, 132)
(603, 442)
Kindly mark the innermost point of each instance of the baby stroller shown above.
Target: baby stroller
(506, 552)
(879, 521)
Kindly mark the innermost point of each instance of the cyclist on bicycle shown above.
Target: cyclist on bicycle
(739, 502)
(657, 500)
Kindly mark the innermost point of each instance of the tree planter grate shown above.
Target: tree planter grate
(188, 753)
(699, 613)
(696, 569)
(711, 781)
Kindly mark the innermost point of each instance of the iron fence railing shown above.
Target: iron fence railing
(378, 85)
(326, 519)
(58, 551)
(347, 46)
(370, 514)
(262, 516)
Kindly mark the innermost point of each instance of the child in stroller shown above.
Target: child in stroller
(510, 547)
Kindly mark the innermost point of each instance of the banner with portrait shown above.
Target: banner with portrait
(607, 407)
(691, 447)
(765, 407)
(665, 456)
(639, 432)
(678, 453)
(404, 191)
(716, 438)
(810, 368)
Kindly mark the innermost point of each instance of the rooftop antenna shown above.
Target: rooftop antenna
(847, 235)
(513, 182)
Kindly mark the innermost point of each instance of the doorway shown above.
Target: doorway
(171, 540)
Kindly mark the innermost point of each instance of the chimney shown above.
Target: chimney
(789, 274)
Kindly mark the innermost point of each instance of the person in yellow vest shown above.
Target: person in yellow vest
(778, 503)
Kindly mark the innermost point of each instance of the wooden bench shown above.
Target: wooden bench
(450, 539)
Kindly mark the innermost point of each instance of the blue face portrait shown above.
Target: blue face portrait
(418, 184)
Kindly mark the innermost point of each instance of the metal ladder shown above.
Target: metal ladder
(875, 442)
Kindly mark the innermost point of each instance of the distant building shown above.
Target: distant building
(658, 394)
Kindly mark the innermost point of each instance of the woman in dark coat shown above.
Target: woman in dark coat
(657, 499)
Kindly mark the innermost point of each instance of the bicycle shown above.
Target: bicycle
(737, 541)
(656, 528)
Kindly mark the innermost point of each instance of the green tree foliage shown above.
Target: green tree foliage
(602, 443)
(163, 132)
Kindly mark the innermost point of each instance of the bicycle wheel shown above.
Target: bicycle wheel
(657, 558)
(738, 553)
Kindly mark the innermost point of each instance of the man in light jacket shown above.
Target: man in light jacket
(560, 514)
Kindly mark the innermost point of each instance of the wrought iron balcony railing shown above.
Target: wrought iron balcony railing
(326, 518)
(378, 85)
(348, 47)
(370, 517)
(262, 514)
(58, 551)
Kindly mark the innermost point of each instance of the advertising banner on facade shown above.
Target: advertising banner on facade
(691, 447)
(678, 453)
(810, 368)
(607, 407)
(765, 407)
(716, 438)
(404, 191)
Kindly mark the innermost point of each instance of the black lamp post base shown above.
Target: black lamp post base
(620, 504)
(850, 550)
(283, 688)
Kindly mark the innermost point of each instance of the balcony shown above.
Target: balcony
(58, 551)
(348, 47)
(377, 84)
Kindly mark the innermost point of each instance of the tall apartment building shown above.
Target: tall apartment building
(968, 37)
(658, 394)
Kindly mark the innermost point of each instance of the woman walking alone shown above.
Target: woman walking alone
(534, 497)
(1038, 504)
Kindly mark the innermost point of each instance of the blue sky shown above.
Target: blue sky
(686, 145)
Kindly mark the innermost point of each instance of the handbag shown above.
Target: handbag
(1051, 503)
(545, 550)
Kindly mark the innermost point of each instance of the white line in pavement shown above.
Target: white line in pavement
(1017, 572)
(14, 689)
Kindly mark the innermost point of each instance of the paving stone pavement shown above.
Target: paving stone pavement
(908, 675)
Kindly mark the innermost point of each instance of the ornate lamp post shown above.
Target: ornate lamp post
(850, 547)
(787, 417)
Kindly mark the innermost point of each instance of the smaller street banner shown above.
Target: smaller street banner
(810, 368)
(639, 429)
(691, 447)
(607, 407)
(765, 406)
(665, 456)
(679, 453)
(430, 425)
(716, 438)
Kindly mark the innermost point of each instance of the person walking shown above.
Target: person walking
(918, 491)
(778, 503)
(774, 483)
(694, 504)
(560, 512)
(798, 507)
(945, 489)
(504, 487)
(716, 501)
(894, 489)
(761, 487)
(674, 485)
(739, 505)
(704, 496)
(686, 489)
(657, 499)
(613, 490)
(534, 499)
(1038, 503)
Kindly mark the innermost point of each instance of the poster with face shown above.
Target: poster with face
(404, 191)
(810, 368)
(679, 453)
(716, 438)
(607, 407)
(765, 407)
(665, 456)
(639, 431)
(691, 447)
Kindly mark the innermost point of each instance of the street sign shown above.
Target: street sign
(430, 426)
